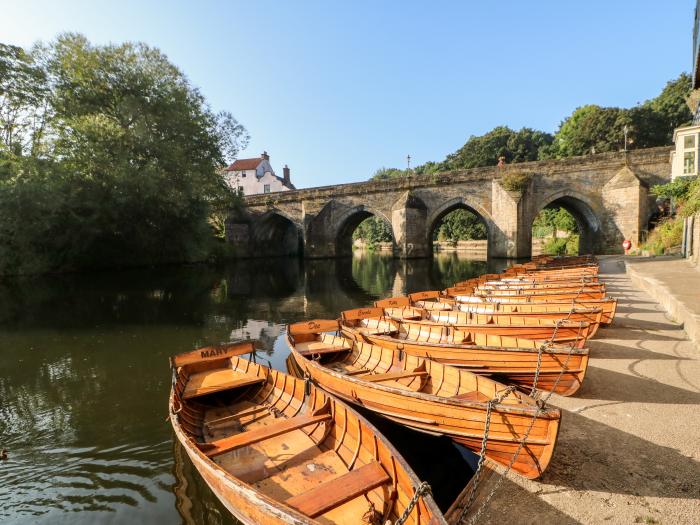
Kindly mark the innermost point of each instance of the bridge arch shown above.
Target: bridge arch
(275, 233)
(583, 211)
(349, 220)
(439, 213)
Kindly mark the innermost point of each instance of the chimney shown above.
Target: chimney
(285, 175)
(265, 155)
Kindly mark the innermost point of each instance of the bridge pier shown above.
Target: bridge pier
(409, 218)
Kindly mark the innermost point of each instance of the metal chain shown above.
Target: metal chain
(541, 405)
(498, 398)
(423, 488)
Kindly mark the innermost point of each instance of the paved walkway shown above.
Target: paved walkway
(629, 444)
(675, 284)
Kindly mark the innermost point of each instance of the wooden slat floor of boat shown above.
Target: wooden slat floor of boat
(310, 474)
(274, 428)
(285, 465)
(216, 380)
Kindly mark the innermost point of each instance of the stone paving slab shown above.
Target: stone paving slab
(629, 444)
(675, 284)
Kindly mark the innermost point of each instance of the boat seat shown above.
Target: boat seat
(392, 376)
(216, 380)
(318, 347)
(333, 493)
(280, 426)
(472, 396)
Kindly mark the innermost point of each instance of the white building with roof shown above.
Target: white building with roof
(253, 176)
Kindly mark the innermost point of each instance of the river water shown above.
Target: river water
(84, 377)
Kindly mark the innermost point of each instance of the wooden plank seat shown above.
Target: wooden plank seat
(392, 376)
(333, 493)
(319, 347)
(216, 380)
(280, 426)
(472, 396)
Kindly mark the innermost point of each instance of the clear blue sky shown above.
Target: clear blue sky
(337, 90)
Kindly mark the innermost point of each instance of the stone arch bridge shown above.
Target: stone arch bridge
(608, 195)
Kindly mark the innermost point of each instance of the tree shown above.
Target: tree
(551, 220)
(671, 104)
(485, 150)
(460, 225)
(373, 230)
(598, 129)
(389, 173)
(130, 166)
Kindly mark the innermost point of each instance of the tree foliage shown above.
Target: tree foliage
(460, 225)
(551, 220)
(485, 150)
(593, 128)
(373, 230)
(108, 157)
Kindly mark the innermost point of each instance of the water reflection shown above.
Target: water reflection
(84, 381)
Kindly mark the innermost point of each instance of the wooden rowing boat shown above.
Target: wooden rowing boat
(537, 329)
(440, 302)
(471, 314)
(275, 450)
(547, 297)
(510, 359)
(522, 305)
(427, 396)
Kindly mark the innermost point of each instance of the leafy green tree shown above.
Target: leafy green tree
(373, 230)
(460, 225)
(129, 170)
(672, 106)
(598, 129)
(551, 220)
(485, 150)
(389, 173)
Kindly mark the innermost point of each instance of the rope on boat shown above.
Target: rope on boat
(423, 488)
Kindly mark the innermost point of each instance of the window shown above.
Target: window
(689, 142)
(266, 188)
(689, 163)
(243, 174)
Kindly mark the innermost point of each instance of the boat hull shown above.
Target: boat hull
(463, 422)
(510, 364)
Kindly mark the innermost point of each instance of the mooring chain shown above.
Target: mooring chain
(540, 407)
(498, 398)
(423, 488)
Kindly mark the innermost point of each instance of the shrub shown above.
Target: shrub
(667, 235)
(516, 181)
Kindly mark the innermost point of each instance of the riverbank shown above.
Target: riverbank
(629, 445)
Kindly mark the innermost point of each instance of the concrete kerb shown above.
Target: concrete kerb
(677, 308)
